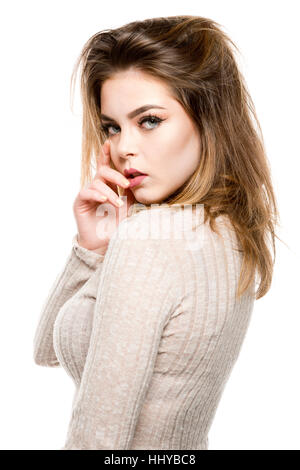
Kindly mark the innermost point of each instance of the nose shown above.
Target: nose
(126, 146)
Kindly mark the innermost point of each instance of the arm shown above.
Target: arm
(138, 285)
(79, 266)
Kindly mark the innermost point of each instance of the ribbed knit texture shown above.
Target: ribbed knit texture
(149, 333)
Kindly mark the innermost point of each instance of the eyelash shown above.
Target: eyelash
(149, 117)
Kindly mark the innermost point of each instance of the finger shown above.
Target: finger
(106, 163)
(104, 189)
(106, 152)
(88, 194)
(103, 158)
(109, 174)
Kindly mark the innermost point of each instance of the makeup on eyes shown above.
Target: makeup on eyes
(153, 118)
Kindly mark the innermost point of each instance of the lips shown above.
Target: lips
(133, 172)
(133, 175)
(137, 180)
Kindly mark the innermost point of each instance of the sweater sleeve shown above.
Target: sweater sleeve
(138, 284)
(80, 265)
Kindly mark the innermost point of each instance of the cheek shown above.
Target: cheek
(177, 138)
(168, 146)
(182, 154)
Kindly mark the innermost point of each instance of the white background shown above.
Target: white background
(40, 177)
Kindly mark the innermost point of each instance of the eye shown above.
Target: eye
(151, 118)
(105, 128)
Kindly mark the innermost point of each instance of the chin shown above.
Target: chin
(144, 199)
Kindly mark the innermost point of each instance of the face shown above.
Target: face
(165, 146)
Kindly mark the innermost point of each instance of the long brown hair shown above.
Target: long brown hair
(195, 59)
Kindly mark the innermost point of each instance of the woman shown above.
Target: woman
(149, 328)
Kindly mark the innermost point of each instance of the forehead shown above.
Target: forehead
(133, 87)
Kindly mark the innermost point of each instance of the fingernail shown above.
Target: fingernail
(119, 202)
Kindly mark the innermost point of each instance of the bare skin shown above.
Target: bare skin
(165, 146)
(96, 218)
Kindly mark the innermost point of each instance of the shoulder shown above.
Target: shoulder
(141, 238)
(143, 232)
(173, 231)
(137, 259)
(154, 227)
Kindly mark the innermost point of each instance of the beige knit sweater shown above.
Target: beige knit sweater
(149, 333)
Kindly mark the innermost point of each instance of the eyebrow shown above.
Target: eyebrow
(134, 113)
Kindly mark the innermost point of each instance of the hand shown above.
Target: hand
(97, 224)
